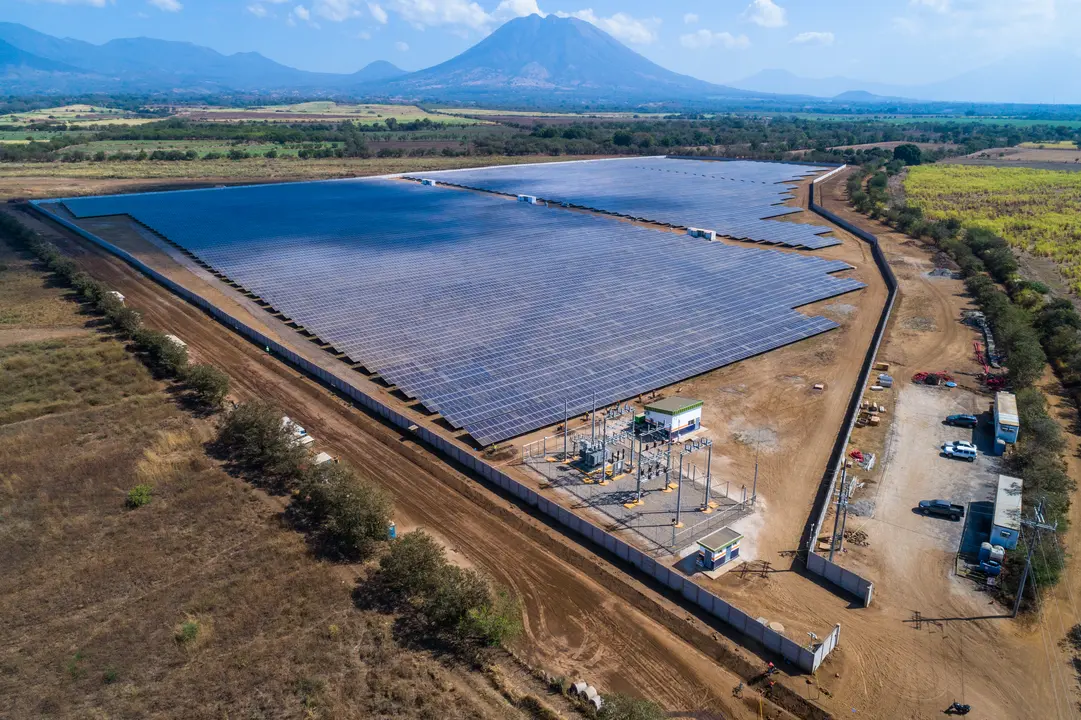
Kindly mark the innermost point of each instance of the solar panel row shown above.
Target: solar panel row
(492, 312)
(731, 197)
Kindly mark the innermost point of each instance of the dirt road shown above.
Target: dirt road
(574, 625)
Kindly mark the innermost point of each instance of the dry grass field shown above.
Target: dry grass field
(200, 604)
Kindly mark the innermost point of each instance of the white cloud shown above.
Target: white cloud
(510, 9)
(621, 25)
(257, 10)
(431, 13)
(766, 13)
(378, 13)
(301, 12)
(690, 19)
(401, 46)
(364, 35)
(707, 38)
(166, 5)
(939, 6)
(336, 10)
(813, 38)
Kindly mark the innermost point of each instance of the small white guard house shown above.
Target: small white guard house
(677, 415)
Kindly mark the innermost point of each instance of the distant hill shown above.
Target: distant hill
(785, 83)
(559, 57)
(146, 64)
(376, 71)
(17, 59)
(1042, 77)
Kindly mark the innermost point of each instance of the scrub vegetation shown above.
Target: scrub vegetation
(1035, 210)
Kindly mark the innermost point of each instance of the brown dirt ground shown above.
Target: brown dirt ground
(631, 640)
(1035, 158)
(884, 664)
(92, 593)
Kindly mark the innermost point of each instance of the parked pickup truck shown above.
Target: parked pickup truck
(942, 508)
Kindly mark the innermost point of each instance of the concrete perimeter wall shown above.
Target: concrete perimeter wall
(846, 579)
(806, 660)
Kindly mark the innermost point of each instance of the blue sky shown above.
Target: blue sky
(901, 41)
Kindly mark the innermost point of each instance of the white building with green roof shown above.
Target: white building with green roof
(677, 415)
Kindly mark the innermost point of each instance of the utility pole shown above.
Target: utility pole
(1035, 525)
(566, 427)
(837, 513)
(754, 487)
(707, 504)
(593, 420)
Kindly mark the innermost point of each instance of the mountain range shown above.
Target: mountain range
(529, 60)
(562, 59)
(1035, 78)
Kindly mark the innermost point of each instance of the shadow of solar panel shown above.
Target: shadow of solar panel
(734, 198)
(494, 312)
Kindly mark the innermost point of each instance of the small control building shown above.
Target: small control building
(1007, 423)
(1006, 524)
(718, 548)
(677, 415)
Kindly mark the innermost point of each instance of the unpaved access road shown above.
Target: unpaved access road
(574, 625)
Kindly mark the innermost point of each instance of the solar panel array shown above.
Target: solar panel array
(730, 197)
(489, 311)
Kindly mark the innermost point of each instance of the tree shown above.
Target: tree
(208, 384)
(412, 566)
(392, 123)
(908, 153)
(457, 592)
(350, 514)
(622, 138)
(163, 354)
(126, 320)
(254, 437)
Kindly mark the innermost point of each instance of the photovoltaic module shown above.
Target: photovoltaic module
(732, 197)
(489, 311)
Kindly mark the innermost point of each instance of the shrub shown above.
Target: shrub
(349, 514)
(254, 438)
(208, 384)
(163, 354)
(410, 568)
(187, 633)
(497, 622)
(138, 496)
(457, 593)
(623, 707)
(126, 320)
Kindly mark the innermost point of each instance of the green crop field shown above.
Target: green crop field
(1036, 210)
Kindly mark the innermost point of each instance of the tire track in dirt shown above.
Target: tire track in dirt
(574, 625)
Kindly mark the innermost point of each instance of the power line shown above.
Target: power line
(1062, 677)
(1044, 636)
